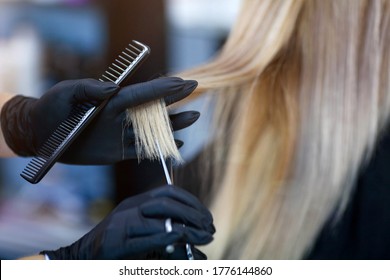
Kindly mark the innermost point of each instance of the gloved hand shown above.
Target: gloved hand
(135, 229)
(28, 122)
(180, 253)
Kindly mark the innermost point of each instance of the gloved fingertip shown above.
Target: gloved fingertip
(208, 239)
(207, 223)
(211, 229)
(184, 119)
(168, 84)
(190, 86)
(198, 237)
(179, 143)
(195, 115)
(198, 254)
(92, 90)
(110, 88)
(173, 237)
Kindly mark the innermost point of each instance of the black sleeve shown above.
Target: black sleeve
(364, 230)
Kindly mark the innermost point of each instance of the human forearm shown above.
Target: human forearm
(35, 257)
(5, 151)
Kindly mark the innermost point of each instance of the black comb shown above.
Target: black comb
(82, 114)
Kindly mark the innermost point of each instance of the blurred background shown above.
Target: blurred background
(45, 41)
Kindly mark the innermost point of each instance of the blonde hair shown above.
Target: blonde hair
(153, 132)
(302, 93)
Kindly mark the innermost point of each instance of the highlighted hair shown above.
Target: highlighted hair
(302, 92)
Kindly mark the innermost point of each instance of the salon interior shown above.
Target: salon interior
(43, 42)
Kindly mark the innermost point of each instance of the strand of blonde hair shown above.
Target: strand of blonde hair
(308, 85)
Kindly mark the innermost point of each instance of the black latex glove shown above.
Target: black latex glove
(180, 253)
(135, 229)
(28, 122)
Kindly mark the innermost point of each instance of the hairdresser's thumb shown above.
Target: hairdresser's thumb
(91, 90)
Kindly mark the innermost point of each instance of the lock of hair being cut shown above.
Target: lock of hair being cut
(153, 131)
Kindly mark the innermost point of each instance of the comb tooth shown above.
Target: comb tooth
(129, 62)
(34, 169)
(44, 149)
(78, 117)
(109, 73)
(134, 47)
(145, 50)
(45, 153)
(33, 166)
(70, 123)
(58, 136)
(108, 78)
(132, 52)
(113, 70)
(40, 160)
(37, 162)
(65, 127)
(121, 63)
(129, 56)
(48, 144)
(27, 172)
(120, 68)
(27, 175)
(60, 132)
(28, 169)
